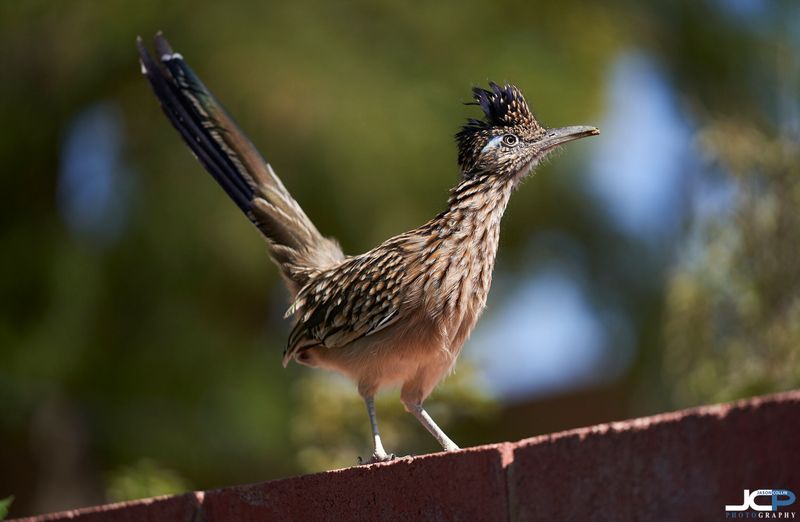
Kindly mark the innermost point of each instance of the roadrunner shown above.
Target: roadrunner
(400, 313)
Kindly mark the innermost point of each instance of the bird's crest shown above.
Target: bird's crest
(503, 107)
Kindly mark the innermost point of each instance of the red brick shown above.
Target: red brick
(467, 485)
(181, 508)
(678, 466)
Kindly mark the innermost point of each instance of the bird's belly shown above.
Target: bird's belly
(391, 357)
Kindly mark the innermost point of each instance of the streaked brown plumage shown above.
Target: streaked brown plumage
(400, 313)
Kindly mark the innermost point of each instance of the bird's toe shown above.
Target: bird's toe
(377, 457)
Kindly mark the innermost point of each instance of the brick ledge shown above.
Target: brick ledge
(681, 465)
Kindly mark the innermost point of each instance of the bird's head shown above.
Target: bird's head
(509, 142)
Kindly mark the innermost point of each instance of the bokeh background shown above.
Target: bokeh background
(652, 268)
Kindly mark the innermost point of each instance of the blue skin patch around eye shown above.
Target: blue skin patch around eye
(493, 143)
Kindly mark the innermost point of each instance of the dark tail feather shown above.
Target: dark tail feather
(229, 156)
(194, 130)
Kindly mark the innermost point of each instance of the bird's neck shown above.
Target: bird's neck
(468, 232)
(458, 248)
(476, 206)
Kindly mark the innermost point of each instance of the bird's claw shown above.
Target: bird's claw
(376, 457)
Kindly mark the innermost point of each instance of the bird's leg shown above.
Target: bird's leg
(379, 455)
(422, 416)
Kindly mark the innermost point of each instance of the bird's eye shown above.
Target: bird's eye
(510, 140)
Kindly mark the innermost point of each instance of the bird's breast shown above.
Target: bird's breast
(459, 275)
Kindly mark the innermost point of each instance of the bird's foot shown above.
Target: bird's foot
(377, 457)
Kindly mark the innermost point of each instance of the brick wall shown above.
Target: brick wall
(677, 466)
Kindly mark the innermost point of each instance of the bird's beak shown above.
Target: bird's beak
(556, 137)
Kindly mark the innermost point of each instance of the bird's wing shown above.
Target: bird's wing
(228, 155)
(359, 298)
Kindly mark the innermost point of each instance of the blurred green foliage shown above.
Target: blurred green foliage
(5, 503)
(146, 478)
(151, 363)
(733, 305)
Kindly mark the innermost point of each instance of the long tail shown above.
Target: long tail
(294, 242)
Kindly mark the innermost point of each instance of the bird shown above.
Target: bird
(399, 314)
